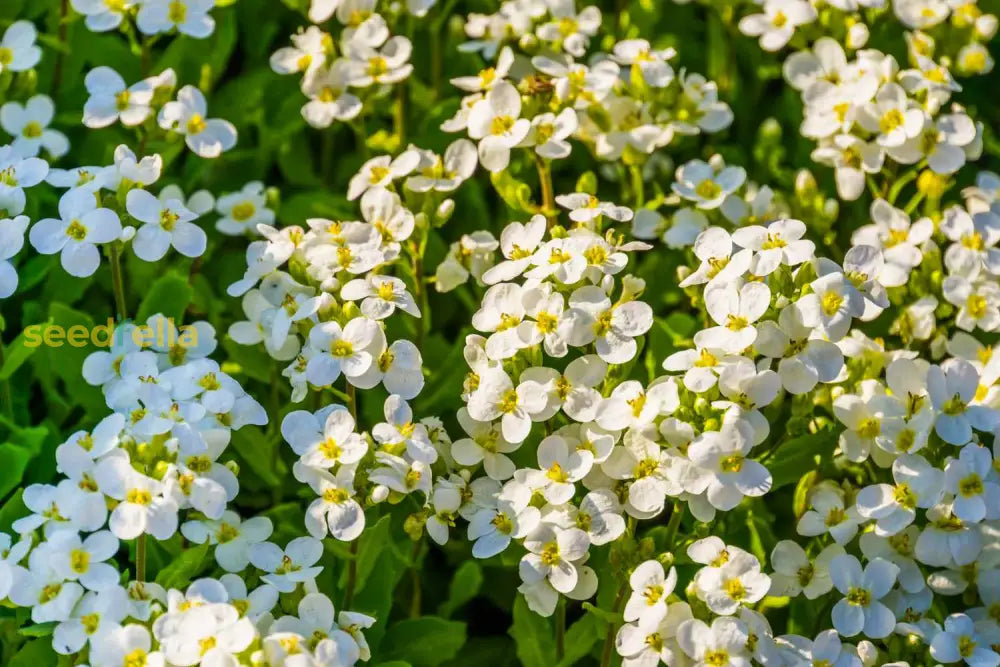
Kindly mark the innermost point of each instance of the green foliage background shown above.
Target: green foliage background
(436, 606)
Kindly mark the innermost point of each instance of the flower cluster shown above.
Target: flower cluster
(706, 411)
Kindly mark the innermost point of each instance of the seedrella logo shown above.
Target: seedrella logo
(160, 333)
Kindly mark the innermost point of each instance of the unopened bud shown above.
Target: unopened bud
(857, 36)
(805, 183)
(444, 210)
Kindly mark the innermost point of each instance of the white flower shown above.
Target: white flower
(860, 610)
(952, 387)
(977, 496)
(18, 51)
(287, 568)
(724, 470)
(568, 28)
(776, 25)
(11, 242)
(891, 117)
(551, 552)
(489, 77)
(918, 484)
(324, 439)
(495, 121)
(585, 208)
(497, 398)
(735, 311)
(493, 528)
(83, 560)
(485, 444)
(207, 137)
(329, 100)
(732, 584)
(233, 537)
(111, 99)
(142, 507)
(29, 125)
(335, 510)
(447, 173)
(243, 211)
(95, 615)
(102, 15)
(828, 514)
(805, 358)
(831, 305)
(651, 63)
(385, 64)
(724, 643)
(165, 224)
(714, 247)
(549, 132)
(647, 604)
(81, 225)
(795, 573)
(780, 243)
(705, 184)
(960, 642)
(341, 350)
(188, 17)
(380, 172)
(593, 318)
(380, 296)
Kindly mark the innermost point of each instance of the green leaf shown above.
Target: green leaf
(604, 615)
(13, 462)
(34, 653)
(515, 193)
(169, 295)
(12, 510)
(16, 354)
(257, 451)
(464, 586)
(796, 457)
(423, 642)
(374, 541)
(533, 636)
(38, 630)
(580, 638)
(183, 569)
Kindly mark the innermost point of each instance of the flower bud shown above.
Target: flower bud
(805, 183)
(444, 210)
(857, 36)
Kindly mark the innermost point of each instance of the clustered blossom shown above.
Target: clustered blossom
(599, 460)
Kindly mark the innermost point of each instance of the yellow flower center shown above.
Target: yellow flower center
(177, 12)
(708, 189)
(342, 348)
(501, 124)
(79, 561)
(33, 130)
(138, 496)
(76, 231)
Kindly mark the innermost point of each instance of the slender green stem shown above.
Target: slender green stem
(545, 180)
(117, 284)
(416, 600)
(560, 629)
(352, 576)
(140, 558)
(638, 187)
(361, 137)
(352, 399)
(6, 397)
(399, 116)
(609, 638)
(674, 523)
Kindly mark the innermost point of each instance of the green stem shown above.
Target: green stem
(638, 187)
(399, 117)
(352, 399)
(545, 181)
(674, 524)
(361, 136)
(117, 284)
(6, 397)
(560, 629)
(352, 576)
(417, 598)
(609, 638)
(140, 558)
